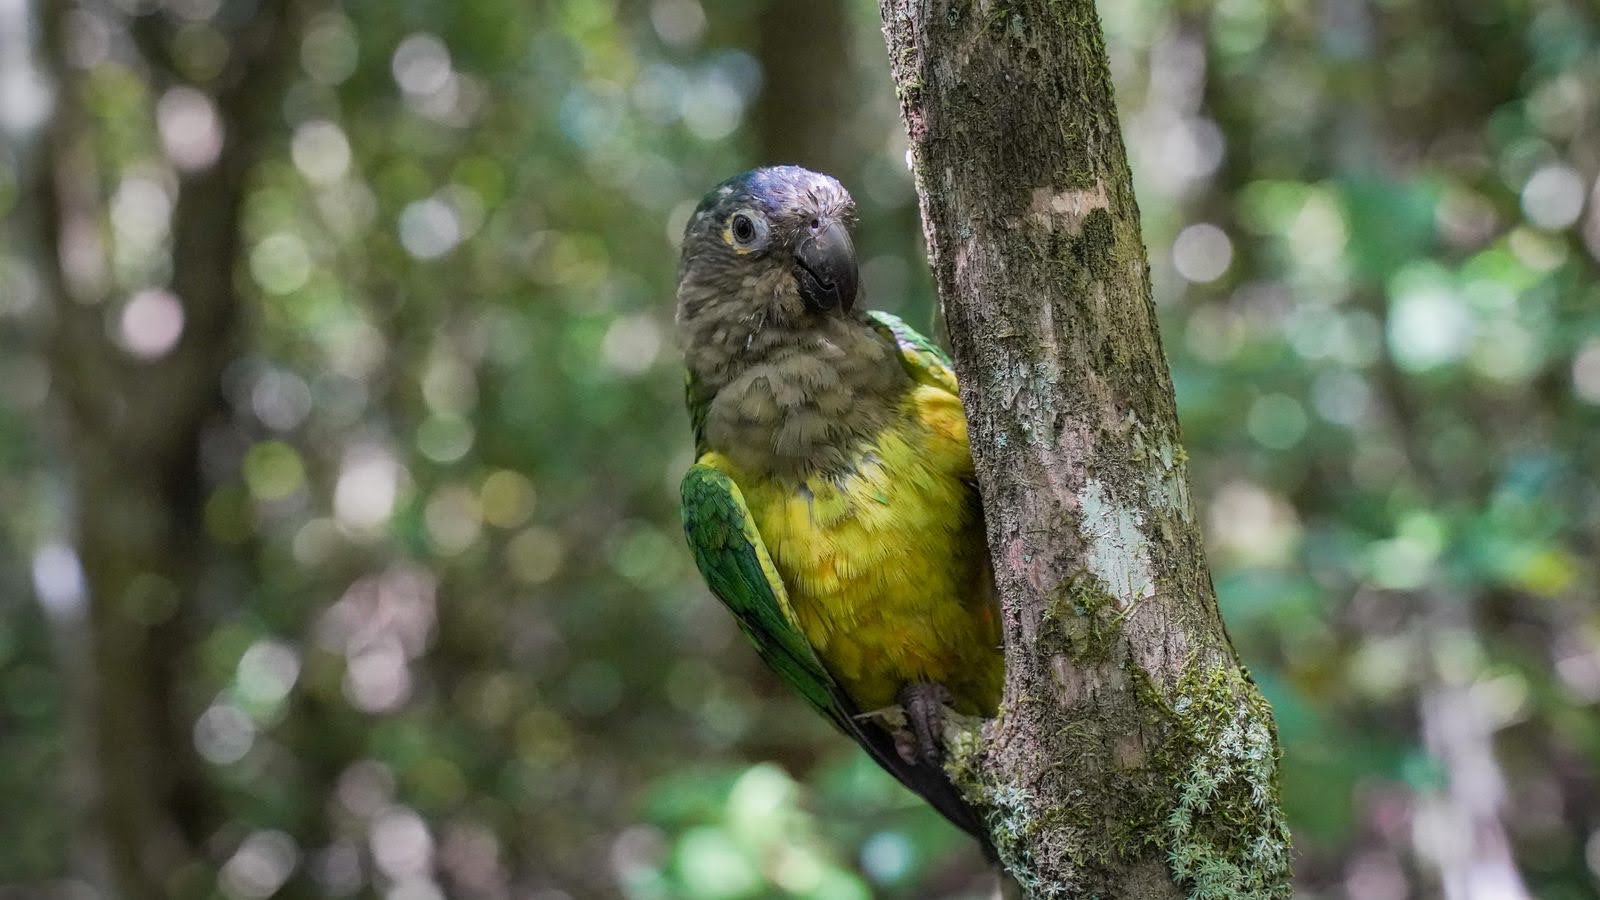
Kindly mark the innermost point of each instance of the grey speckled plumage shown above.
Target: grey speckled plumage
(789, 389)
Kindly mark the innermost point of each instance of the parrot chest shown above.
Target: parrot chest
(885, 564)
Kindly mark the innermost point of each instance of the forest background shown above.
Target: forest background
(417, 619)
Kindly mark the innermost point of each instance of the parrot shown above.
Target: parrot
(832, 506)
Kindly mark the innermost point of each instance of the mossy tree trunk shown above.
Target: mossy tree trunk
(1133, 756)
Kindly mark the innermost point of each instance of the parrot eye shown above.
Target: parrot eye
(746, 230)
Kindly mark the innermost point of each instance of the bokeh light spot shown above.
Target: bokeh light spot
(191, 130)
(1553, 197)
(421, 64)
(1277, 421)
(1586, 372)
(445, 439)
(1202, 253)
(453, 518)
(402, 846)
(888, 857)
(712, 107)
(273, 470)
(535, 555)
(141, 210)
(507, 499)
(713, 866)
(267, 672)
(368, 483)
(678, 22)
(429, 228)
(1253, 525)
(376, 677)
(329, 51)
(151, 324)
(260, 866)
(224, 734)
(280, 263)
(632, 344)
(280, 399)
(58, 581)
(320, 151)
(1429, 326)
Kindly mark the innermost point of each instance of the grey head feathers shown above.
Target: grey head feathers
(794, 378)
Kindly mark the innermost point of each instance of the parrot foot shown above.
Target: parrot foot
(892, 717)
(923, 702)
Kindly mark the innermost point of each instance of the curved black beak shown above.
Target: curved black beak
(825, 268)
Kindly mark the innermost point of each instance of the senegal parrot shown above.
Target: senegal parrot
(832, 506)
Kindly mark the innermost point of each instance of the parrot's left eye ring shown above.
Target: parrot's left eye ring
(746, 230)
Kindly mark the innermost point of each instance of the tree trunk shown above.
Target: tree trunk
(131, 441)
(1133, 756)
(806, 85)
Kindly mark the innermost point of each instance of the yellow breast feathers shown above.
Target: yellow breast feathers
(886, 566)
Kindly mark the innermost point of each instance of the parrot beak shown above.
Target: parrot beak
(825, 268)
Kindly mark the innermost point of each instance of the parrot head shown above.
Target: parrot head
(785, 373)
(772, 242)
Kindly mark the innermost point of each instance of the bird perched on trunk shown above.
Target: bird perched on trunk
(832, 508)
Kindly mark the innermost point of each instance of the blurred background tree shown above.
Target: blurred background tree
(340, 431)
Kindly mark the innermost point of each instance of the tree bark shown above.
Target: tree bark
(1133, 756)
(132, 431)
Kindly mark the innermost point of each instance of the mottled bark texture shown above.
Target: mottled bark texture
(132, 432)
(1133, 756)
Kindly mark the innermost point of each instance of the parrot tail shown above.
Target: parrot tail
(924, 777)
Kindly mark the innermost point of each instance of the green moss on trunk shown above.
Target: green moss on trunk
(1206, 802)
(1133, 756)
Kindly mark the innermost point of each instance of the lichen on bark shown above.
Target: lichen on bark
(1133, 756)
(1202, 798)
(1226, 833)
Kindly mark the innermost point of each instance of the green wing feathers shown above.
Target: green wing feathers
(734, 561)
(926, 361)
(735, 564)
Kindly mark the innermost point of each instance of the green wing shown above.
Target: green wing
(734, 561)
(924, 360)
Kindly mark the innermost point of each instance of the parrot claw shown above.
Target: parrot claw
(892, 717)
(923, 703)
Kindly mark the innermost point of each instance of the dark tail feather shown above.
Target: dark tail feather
(926, 780)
